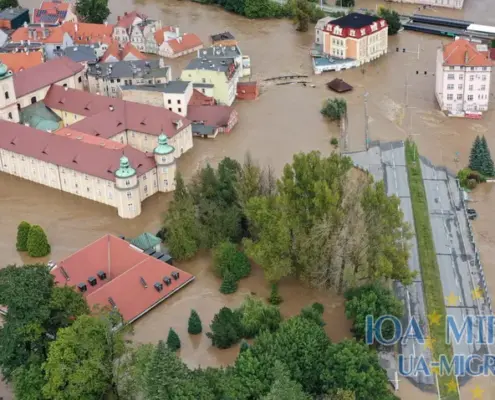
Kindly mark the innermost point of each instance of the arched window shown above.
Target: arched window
(7, 95)
(10, 115)
(33, 99)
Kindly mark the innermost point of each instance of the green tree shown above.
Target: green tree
(393, 19)
(227, 260)
(313, 313)
(8, 3)
(229, 285)
(258, 316)
(37, 243)
(194, 326)
(226, 328)
(284, 387)
(244, 346)
(302, 20)
(372, 299)
(340, 394)
(80, 361)
(93, 11)
(249, 183)
(34, 315)
(354, 367)
(182, 229)
(173, 340)
(487, 168)
(334, 109)
(476, 155)
(181, 192)
(22, 236)
(275, 297)
(345, 3)
(29, 381)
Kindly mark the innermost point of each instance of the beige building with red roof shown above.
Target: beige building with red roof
(463, 71)
(111, 273)
(17, 62)
(179, 46)
(116, 53)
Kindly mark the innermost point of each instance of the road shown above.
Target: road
(455, 251)
(387, 162)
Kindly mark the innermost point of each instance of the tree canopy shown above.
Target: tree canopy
(93, 11)
(37, 242)
(480, 158)
(393, 19)
(8, 3)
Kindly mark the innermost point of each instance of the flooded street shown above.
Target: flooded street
(283, 121)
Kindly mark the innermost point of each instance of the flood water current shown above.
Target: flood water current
(283, 121)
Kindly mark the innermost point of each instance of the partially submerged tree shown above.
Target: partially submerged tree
(226, 328)
(37, 243)
(194, 326)
(334, 109)
(393, 19)
(22, 236)
(173, 340)
(93, 11)
(227, 260)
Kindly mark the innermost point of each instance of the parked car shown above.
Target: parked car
(472, 214)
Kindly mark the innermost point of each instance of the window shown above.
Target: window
(65, 84)
(470, 87)
(169, 101)
(482, 87)
(33, 99)
(459, 86)
(118, 80)
(127, 182)
(150, 81)
(471, 77)
(165, 169)
(451, 68)
(459, 96)
(204, 80)
(470, 97)
(170, 108)
(483, 78)
(450, 87)
(178, 101)
(154, 184)
(7, 95)
(449, 107)
(203, 91)
(461, 76)
(10, 115)
(111, 81)
(450, 96)
(450, 76)
(154, 172)
(86, 177)
(79, 79)
(129, 195)
(88, 189)
(166, 182)
(483, 69)
(145, 188)
(131, 207)
(179, 109)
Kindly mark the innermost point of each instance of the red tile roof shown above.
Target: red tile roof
(160, 34)
(130, 276)
(463, 52)
(19, 61)
(85, 33)
(105, 123)
(492, 54)
(68, 153)
(217, 116)
(115, 51)
(127, 20)
(185, 42)
(90, 139)
(48, 34)
(200, 99)
(45, 74)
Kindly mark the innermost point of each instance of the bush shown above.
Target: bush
(334, 109)
(393, 19)
(229, 285)
(318, 307)
(227, 260)
(173, 341)
(226, 328)
(275, 297)
(194, 326)
(334, 142)
(37, 243)
(244, 346)
(258, 316)
(22, 236)
(469, 179)
(313, 313)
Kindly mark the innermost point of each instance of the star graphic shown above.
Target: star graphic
(477, 293)
(434, 318)
(477, 393)
(451, 386)
(451, 299)
(429, 342)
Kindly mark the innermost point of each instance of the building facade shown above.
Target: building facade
(222, 74)
(53, 38)
(463, 71)
(180, 46)
(356, 36)
(14, 17)
(457, 4)
(100, 170)
(106, 78)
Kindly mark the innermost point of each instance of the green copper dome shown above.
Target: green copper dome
(3, 70)
(163, 147)
(125, 170)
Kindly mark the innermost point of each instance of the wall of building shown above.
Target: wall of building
(166, 51)
(439, 78)
(177, 102)
(111, 87)
(224, 91)
(153, 98)
(8, 106)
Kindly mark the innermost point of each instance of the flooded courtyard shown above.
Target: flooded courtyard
(283, 121)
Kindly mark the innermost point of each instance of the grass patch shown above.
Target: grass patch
(428, 260)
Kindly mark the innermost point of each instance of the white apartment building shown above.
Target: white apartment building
(457, 4)
(463, 72)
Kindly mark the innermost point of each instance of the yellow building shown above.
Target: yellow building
(223, 74)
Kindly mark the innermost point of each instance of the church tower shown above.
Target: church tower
(165, 164)
(8, 101)
(127, 196)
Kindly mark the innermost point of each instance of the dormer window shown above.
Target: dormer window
(363, 31)
(353, 32)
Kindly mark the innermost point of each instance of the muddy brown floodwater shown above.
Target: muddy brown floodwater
(283, 121)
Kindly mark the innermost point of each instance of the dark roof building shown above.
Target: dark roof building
(144, 69)
(169, 87)
(355, 20)
(79, 54)
(13, 17)
(112, 273)
(339, 86)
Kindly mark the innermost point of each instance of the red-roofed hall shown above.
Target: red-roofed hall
(113, 273)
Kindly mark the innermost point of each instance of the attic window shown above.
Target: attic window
(74, 160)
(44, 150)
(12, 142)
(119, 123)
(139, 166)
(62, 100)
(143, 282)
(143, 122)
(86, 107)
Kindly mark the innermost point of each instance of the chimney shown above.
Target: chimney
(25, 24)
(110, 108)
(29, 42)
(177, 30)
(35, 34)
(75, 27)
(30, 34)
(45, 33)
(66, 88)
(106, 23)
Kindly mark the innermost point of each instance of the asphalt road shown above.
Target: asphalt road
(455, 251)
(386, 162)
